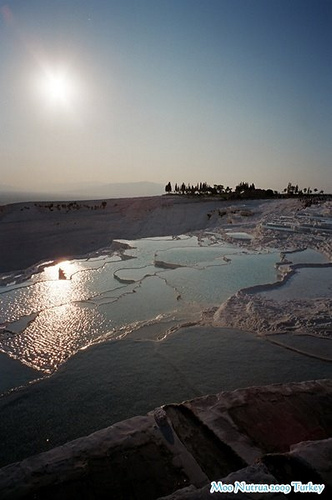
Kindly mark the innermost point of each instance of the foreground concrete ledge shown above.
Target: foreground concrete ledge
(277, 469)
(176, 452)
(268, 419)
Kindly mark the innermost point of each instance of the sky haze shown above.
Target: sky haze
(221, 91)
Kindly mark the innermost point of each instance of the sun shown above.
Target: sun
(57, 88)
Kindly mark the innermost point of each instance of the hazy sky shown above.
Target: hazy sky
(157, 90)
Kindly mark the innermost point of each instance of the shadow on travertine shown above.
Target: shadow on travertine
(263, 435)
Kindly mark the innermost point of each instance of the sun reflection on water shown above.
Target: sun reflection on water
(48, 291)
(62, 324)
(62, 283)
(68, 267)
(55, 335)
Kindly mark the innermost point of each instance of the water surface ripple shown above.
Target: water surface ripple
(46, 320)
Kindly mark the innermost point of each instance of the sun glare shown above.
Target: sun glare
(57, 88)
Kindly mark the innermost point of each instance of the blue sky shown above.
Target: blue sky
(157, 90)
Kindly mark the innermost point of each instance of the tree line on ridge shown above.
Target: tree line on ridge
(242, 190)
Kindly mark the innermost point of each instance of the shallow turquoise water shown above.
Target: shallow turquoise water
(46, 320)
(306, 283)
(307, 255)
(153, 283)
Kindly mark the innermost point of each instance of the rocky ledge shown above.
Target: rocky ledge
(271, 435)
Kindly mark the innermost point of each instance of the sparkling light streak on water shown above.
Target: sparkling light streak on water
(54, 336)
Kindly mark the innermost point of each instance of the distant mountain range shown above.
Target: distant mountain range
(82, 191)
